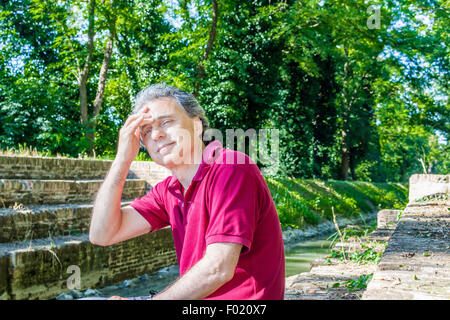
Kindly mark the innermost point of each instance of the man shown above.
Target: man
(225, 226)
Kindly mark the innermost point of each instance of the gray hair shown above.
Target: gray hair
(161, 90)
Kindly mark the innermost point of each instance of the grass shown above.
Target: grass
(303, 202)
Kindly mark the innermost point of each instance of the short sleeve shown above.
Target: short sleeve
(151, 207)
(233, 205)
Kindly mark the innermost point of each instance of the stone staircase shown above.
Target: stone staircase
(45, 213)
(416, 262)
(327, 277)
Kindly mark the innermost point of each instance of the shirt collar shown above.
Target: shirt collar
(210, 154)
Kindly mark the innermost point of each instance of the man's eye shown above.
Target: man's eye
(166, 122)
(147, 131)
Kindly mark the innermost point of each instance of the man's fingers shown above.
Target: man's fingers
(131, 118)
(135, 116)
(139, 122)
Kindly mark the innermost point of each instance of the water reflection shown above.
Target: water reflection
(300, 255)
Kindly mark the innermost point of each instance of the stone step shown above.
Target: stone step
(43, 168)
(388, 218)
(43, 268)
(22, 167)
(380, 235)
(41, 221)
(327, 282)
(21, 191)
(408, 285)
(416, 262)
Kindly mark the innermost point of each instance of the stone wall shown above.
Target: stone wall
(415, 264)
(41, 270)
(24, 191)
(148, 171)
(421, 185)
(45, 213)
(388, 219)
(21, 167)
(35, 222)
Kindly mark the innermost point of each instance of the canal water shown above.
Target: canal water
(299, 256)
(298, 259)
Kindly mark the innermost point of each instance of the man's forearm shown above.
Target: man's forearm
(106, 216)
(197, 283)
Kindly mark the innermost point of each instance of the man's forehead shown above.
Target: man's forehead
(161, 106)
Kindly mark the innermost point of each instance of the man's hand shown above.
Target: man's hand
(216, 268)
(117, 298)
(129, 134)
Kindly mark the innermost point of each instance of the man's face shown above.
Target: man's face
(171, 138)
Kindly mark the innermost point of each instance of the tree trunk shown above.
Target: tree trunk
(83, 100)
(102, 78)
(83, 72)
(343, 174)
(212, 36)
(101, 84)
(352, 166)
(100, 93)
(345, 157)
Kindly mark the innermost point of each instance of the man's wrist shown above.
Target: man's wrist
(122, 161)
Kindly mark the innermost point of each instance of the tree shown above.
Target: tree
(79, 57)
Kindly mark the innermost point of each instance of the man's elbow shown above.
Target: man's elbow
(222, 273)
(228, 275)
(97, 241)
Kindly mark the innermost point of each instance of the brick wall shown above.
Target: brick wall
(45, 212)
(39, 273)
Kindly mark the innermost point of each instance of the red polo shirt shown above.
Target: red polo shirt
(226, 202)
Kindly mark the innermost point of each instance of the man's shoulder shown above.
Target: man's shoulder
(162, 186)
(233, 158)
(233, 164)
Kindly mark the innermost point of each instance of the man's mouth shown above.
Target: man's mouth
(165, 146)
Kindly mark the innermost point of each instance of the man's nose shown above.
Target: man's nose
(157, 133)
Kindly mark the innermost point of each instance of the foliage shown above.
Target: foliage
(350, 102)
(301, 202)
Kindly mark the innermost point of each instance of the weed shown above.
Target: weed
(369, 255)
(359, 283)
(355, 284)
(435, 196)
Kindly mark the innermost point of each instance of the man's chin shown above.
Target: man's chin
(169, 160)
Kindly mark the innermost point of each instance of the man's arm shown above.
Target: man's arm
(210, 273)
(110, 223)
